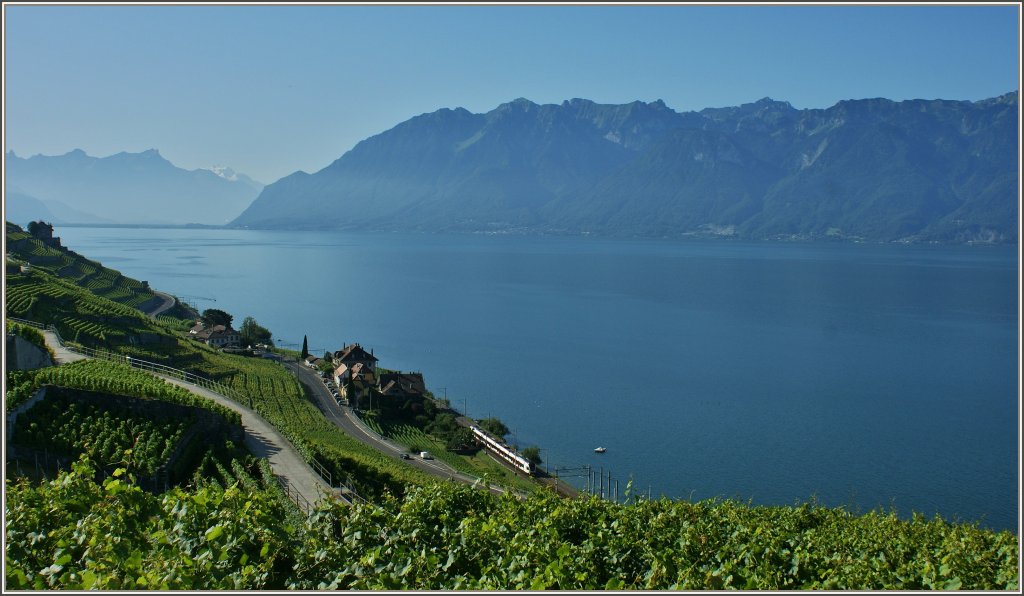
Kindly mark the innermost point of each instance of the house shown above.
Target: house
(402, 385)
(355, 354)
(217, 336)
(355, 382)
(311, 361)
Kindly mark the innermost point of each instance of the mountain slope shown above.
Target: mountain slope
(129, 188)
(871, 169)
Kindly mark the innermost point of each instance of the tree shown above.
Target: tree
(460, 439)
(494, 427)
(253, 333)
(305, 347)
(533, 454)
(214, 316)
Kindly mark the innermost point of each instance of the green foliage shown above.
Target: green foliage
(74, 534)
(215, 316)
(74, 310)
(252, 333)
(494, 427)
(455, 537)
(80, 272)
(533, 454)
(105, 377)
(106, 433)
(30, 334)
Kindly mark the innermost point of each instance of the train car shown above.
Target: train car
(503, 451)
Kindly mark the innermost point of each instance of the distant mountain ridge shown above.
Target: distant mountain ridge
(127, 188)
(872, 169)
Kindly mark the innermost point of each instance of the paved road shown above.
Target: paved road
(168, 303)
(348, 422)
(63, 354)
(263, 440)
(260, 437)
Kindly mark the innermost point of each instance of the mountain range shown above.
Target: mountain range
(869, 169)
(126, 188)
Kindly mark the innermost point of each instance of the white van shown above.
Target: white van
(425, 455)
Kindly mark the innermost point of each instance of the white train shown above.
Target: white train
(503, 451)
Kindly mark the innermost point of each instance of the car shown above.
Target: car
(404, 456)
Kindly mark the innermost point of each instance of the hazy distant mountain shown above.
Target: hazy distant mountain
(22, 208)
(128, 188)
(873, 169)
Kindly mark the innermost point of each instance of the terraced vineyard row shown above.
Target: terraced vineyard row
(61, 424)
(91, 329)
(79, 315)
(105, 377)
(83, 272)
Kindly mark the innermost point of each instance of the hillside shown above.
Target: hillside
(872, 169)
(229, 526)
(126, 188)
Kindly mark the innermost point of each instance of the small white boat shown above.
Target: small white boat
(599, 450)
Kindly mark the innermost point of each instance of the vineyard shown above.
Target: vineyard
(78, 314)
(105, 433)
(78, 270)
(72, 533)
(234, 527)
(262, 384)
(478, 465)
(105, 377)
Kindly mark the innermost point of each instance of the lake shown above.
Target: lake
(860, 375)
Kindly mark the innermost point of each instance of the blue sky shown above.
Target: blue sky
(269, 90)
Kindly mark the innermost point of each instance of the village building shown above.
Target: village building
(351, 355)
(355, 382)
(399, 385)
(217, 336)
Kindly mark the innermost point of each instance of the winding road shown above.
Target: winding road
(262, 439)
(345, 419)
(167, 304)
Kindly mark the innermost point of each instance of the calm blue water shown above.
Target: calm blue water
(863, 375)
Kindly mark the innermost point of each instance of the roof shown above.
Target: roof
(354, 353)
(409, 382)
(204, 333)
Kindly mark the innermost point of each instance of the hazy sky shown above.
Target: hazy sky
(269, 90)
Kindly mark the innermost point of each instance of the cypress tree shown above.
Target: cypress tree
(305, 347)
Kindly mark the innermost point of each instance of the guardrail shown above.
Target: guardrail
(188, 377)
(321, 471)
(27, 322)
(296, 497)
